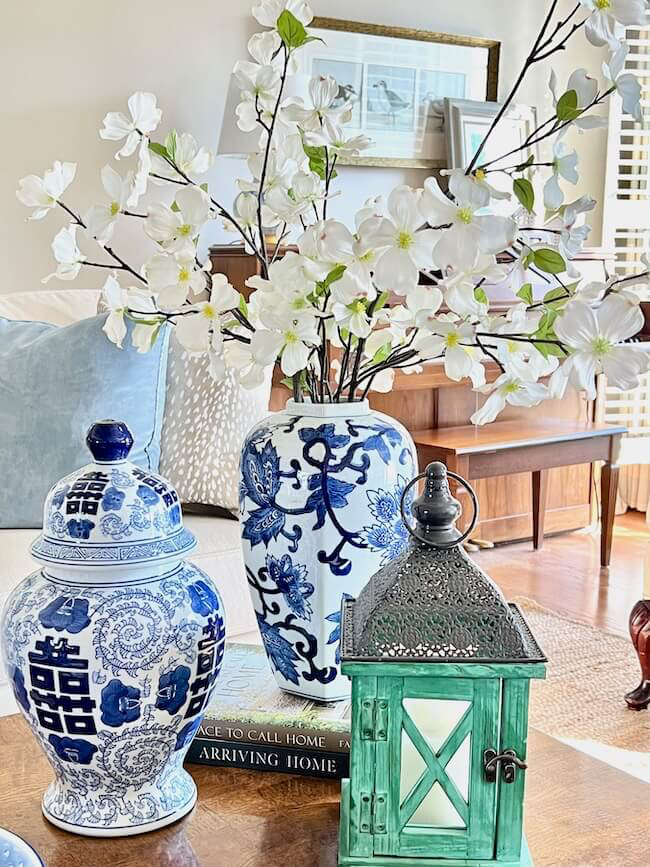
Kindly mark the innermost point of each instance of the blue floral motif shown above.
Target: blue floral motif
(324, 432)
(329, 493)
(279, 651)
(172, 689)
(139, 516)
(335, 634)
(75, 750)
(121, 480)
(59, 496)
(291, 581)
(185, 735)
(175, 515)
(119, 703)
(79, 528)
(112, 500)
(56, 524)
(261, 479)
(203, 598)
(377, 442)
(147, 495)
(67, 613)
(18, 683)
(387, 535)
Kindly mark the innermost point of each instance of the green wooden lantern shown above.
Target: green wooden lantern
(440, 666)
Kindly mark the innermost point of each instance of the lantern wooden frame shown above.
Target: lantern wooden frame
(370, 832)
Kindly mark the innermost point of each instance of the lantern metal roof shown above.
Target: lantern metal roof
(433, 603)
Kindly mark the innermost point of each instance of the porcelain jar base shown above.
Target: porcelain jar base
(54, 795)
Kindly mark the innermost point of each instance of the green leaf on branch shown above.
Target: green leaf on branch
(317, 159)
(523, 166)
(381, 301)
(291, 31)
(480, 296)
(243, 306)
(559, 296)
(335, 274)
(549, 261)
(382, 353)
(170, 144)
(546, 331)
(160, 150)
(524, 191)
(526, 293)
(567, 106)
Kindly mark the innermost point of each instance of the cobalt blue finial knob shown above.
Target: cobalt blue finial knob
(109, 440)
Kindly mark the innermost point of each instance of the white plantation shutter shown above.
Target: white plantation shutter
(627, 197)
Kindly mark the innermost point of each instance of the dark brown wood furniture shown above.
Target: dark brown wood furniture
(531, 446)
(579, 811)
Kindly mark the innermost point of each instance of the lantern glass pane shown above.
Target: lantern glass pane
(432, 765)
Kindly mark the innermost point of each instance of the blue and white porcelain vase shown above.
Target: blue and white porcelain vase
(114, 645)
(319, 501)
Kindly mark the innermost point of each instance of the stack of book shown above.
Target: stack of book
(251, 723)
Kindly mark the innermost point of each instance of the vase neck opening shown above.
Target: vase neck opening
(347, 409)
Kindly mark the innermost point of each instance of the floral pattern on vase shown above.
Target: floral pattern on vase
(319, 491)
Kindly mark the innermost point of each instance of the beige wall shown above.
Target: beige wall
(64, 64)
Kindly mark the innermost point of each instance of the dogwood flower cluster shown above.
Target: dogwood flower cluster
(407, 282)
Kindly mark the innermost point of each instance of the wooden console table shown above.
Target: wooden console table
(579, 811)
(507, 447)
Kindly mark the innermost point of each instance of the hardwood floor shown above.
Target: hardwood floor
(565, 575)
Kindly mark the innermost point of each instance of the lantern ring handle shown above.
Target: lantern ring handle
(463, 536)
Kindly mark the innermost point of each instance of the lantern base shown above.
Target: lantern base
(347, 860)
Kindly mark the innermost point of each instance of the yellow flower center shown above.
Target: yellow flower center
(404, 240)
(184, 230)
(290, 337)
(298, 304)
(603, 4)
(465, 215)
(480, 175)
(209, 311)
(115, 209)
(183, 275)
(51, 200)
(511, 387)
(451, 339)
(512, 346)
(367, 257)
(357, 307)
(601, 346)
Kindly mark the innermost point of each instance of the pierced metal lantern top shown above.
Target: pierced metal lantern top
(433, 603)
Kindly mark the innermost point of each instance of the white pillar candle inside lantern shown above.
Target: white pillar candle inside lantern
(435, 719)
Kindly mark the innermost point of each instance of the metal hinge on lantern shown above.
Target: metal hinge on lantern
(509, 761)
(374, 719)
(372, 813)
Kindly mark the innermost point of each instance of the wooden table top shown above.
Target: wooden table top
(579, 813)
(468, 439)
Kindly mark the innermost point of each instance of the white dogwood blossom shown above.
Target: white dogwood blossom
(44, 193)
(67, 254)
(339, 301)
(144, 118)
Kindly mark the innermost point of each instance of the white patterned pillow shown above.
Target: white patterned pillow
(204, 427)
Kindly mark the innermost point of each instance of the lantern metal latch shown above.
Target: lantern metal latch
(509, 761)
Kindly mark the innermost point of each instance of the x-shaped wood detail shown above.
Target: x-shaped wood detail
(436, 764)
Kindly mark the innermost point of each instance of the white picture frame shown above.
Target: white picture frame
(467, 122)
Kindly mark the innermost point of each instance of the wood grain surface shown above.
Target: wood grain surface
(579, 813)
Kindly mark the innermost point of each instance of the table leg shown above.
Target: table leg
(608, 488)
(540, 491)
(639, 698)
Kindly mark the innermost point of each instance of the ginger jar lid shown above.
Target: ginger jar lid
(111, 512)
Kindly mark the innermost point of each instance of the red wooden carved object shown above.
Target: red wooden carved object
(639, 698)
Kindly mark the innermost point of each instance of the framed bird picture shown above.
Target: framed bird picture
(395, 80)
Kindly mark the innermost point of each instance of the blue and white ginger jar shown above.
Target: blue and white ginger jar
(320, 498)
(114, 645)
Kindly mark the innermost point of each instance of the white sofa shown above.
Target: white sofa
(218, 552)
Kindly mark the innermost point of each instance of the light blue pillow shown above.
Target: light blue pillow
(54, 383)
